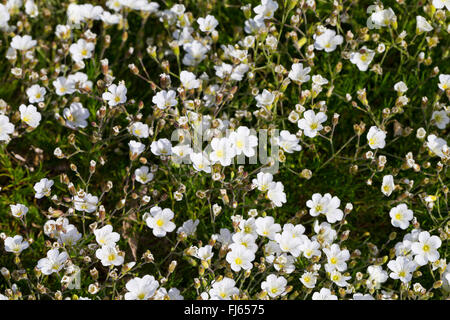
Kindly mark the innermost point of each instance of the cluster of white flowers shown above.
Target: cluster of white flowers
(110, 107)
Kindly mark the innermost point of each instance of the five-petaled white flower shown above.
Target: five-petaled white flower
(425, 248)
(311, 123)
(30, 115)
(141, 288)
(117, 94)
(327, 41)
(16, 244)
(376, 138)
(106, 237)
(400, 216)
(274, 286)
(160, 222)
(54, 262)
(43, 188)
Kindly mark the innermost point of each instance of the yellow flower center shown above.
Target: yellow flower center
(333, 260)
(238, 261)
(141, 296)
(112, 257)
(219, 154)
(159, 222)
(426, 248)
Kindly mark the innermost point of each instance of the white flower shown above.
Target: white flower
(336, 258)
(267, 227)
(207, 24)
(224, 289)
(400, 87)
(376, 276)
(189, 227)
(309, 279)
(339, 279)
(265, 10)
(165, 99)
(362, 58)
(254, 26)
(444, 81)
(81, 50)
(53, 263)
(310, 248)
(289, 244)
(276, 194)
(160, 221)
(63, 86)
(76, 116)
(200, 162)
(23, 43)
(324, 232)
(439, 4)
(265, 99)
(263, 181)
(143, 175)
(376, 138)
(116, 95)
(324, 294)
(383, 18)
(400, 216)
(6, 128)
(195, 53)
(440, 119)
(402, 269)
(360, 296)
(36, 93)
(161, 147)
(109, 255)
(244, 239)
(141, 288)
(274, 286)
(88, 203)
(426, 248)
(388, 185)
(205, 253)
(16, 244)
(136, 148)
(111, 19)
(240, 258)
(106, 237)
(311, 123)
(69, 237)
(63, 31)
(436, 145)
(30, 115)
(222, 151)
(243, 142)
(18, 210)
(288, 142)
(248, 226)
(139, 129)
(81, 81)
(188, 80)
(422, 25)
(4, 16)
(181, 152)
(327, 41)
(327, 205)
(43, 188)
(299, 74)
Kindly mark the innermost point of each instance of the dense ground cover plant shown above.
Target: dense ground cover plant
(224, 149)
